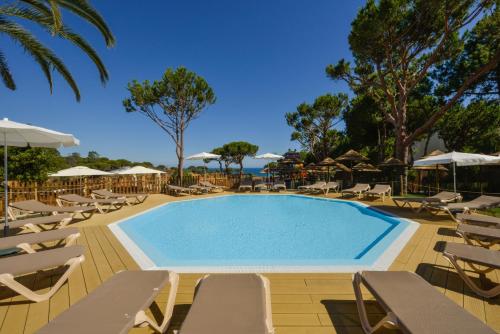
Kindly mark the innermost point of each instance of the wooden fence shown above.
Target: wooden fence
(48, 191)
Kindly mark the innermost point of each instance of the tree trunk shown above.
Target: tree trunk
(241, 169)
(227, 164)
(220, 166)
(180, 157)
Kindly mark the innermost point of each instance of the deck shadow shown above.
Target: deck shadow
(345, 318)
(429, 271)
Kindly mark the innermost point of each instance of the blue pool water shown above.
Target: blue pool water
(263, 230)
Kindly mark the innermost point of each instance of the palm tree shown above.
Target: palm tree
(47, 15)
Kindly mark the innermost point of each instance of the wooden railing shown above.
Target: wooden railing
(48, 191)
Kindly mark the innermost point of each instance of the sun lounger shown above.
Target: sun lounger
(25, 241)
(379, 190)
(311, 187)
(478, 219)
(179, 191)
(442, 197)
(474, 256)
(332, 185)
(478, 203)
(412, 305)
(245, 185)
(279, 185)
(484, 236)
(211, 186)
(130, 198)
(199, 189)
(358, 190)
(118, 305)
(260, 185)
(103, 205)
(37, 224)
(34, 206)
(230, 304)
(19, 265)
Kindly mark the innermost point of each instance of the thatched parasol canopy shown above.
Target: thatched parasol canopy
(433, 153)
(392, 162)
(353, 156)
(365, 167)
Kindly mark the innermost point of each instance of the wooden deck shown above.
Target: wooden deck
(302, 303)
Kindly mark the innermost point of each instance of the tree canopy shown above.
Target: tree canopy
(397, 44)
(314, 124)
(172, 103)
(239, 150)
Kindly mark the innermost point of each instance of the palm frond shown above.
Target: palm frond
(42, 55)
(5, 73)
(89, 14)
(45, 20)
(56, 15)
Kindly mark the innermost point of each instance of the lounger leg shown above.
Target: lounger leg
(33, 228)
(389, 321)
(142, 320)
(9, 281)
(493, 292)
(26, 247)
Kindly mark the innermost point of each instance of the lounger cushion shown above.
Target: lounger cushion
(111, 308)
(419, 307)
(490, 233)
(488, 220)
(227, 304)
(80, 199)
(28, 263)
(36, 238)
(52, 219)
(474, 254)
(35, 206)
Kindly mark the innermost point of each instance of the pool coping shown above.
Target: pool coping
(382, 263)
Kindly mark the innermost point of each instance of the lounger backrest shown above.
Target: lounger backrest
(487, 201)
(381, 188)
(361, 186)
(32, 205)
(103, 192)
(73, 198)
(446, 195)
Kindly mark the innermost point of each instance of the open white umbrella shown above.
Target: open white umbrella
(21, 135)
(204, 156)
(136, 170)
(79, 171)
(457, 159)
(269, 157)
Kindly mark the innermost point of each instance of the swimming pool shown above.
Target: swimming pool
(264, 233)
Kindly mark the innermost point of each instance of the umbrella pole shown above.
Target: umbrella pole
(454, 179)
(5, 187)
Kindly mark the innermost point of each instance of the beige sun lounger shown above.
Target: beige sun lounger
(478, 203)
(19, 265)
(34, 206)
(332, 185)
(477, 219)
(37, 224)
(473, 256)
(379, 190)
(442, 197)
(25, 241)
(118, 305)
(358, 190)
(245, 185)
(198, 189)
(130, 198)
(260, 185)
(179, 191)
(484, 236)
(103, 205)
(230, 304)
(412, 305)
(279, 185)
(311, 187)
(212, 187)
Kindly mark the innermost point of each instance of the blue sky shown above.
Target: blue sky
(261, 57)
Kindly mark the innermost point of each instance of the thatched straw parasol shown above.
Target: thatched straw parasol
(392, 162)
(328, 162)
(365, 167)
(352, 157)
